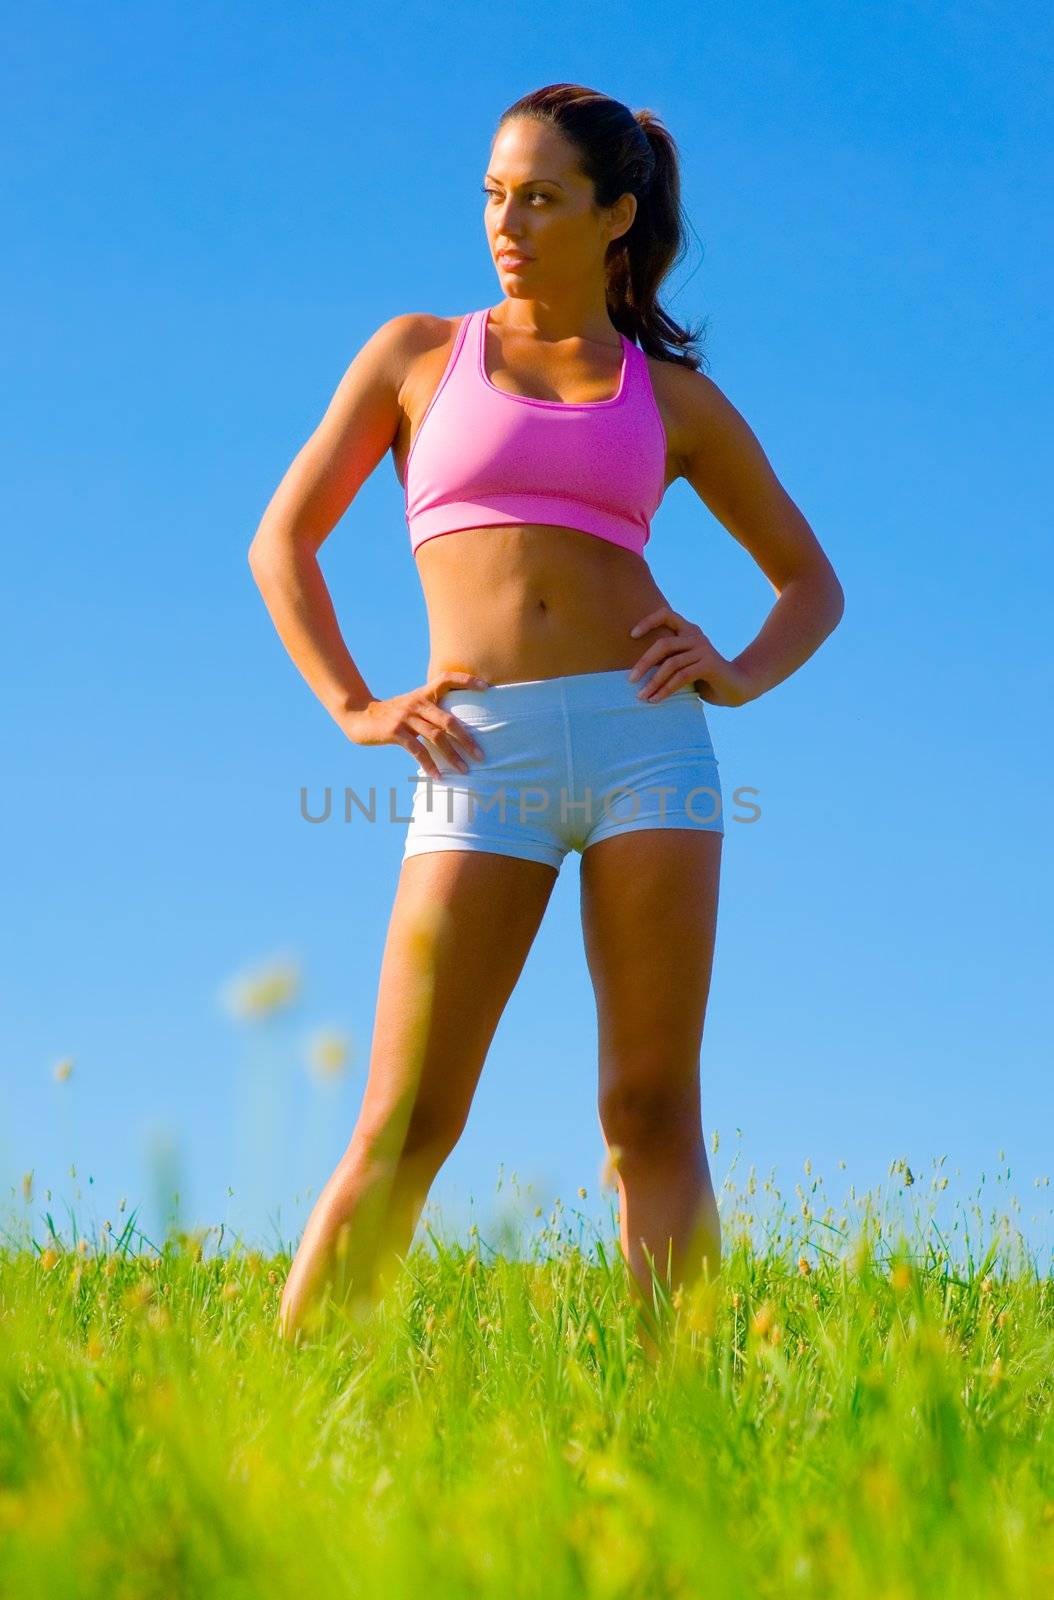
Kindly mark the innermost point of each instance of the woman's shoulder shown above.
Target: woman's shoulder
(679, 382)
(424, 329)
(407, 345)
(689, 401)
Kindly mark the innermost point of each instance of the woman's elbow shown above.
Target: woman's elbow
(257, 562)
(267, 550)
(830, 590)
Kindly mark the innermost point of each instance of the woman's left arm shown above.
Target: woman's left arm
(722, 459)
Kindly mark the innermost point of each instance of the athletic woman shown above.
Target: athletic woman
(564, 704)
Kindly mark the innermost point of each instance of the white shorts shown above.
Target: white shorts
(568, 761)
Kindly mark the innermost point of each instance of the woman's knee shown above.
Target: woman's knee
(425, 1131)
(433, 1131)
(646, 1118)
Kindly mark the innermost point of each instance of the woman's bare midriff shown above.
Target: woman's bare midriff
(523, 601)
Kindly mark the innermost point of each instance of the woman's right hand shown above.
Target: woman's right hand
(400, 719)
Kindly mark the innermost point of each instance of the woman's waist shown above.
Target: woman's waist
(535, 603)
(534, 637)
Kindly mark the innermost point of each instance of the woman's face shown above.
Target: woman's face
(539, 204)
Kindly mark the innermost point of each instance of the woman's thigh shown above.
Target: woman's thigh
(460, 930)
(649, 904)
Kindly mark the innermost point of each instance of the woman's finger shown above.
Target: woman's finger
(655, 652)
(437, 735)
(417, 750)
(447, 731)
(655, 619)
(678, 669)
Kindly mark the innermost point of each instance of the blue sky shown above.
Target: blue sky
(212, 211)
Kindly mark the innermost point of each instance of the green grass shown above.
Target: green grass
(848, 1410)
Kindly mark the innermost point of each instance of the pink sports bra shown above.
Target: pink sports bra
(483, 457)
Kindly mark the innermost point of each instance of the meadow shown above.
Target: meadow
(858, 1405)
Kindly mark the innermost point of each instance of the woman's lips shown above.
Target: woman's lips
(513, 263)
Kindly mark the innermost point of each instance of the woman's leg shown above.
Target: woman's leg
(649, 912)
(461, 927)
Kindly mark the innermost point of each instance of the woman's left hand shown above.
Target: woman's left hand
(687, 656)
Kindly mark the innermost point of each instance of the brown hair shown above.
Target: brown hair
(623, 150)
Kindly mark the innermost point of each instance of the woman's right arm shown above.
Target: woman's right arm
(359, 426)
(357, 429)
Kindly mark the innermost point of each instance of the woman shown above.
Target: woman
(564, 705)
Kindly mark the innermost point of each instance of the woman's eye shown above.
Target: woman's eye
(531, 195)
